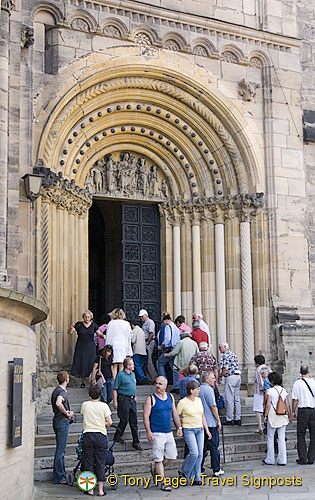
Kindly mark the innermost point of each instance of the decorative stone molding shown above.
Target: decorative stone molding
(247, 90)
(142, 39)
(199, 50)
(192, 23)
(8, 5)
(216, 209)
(80, 24)
(64, 193)
(171, 45)
(256, 62)
(127, 176)
(111, 31)
(27, 37)
(163, 87)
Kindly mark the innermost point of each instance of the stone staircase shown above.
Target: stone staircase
(240, 443)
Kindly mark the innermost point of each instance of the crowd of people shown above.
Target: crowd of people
(129, 355)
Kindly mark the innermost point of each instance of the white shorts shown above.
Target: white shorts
(164, 446)
(258, 404)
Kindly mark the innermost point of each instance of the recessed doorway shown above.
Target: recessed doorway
(124, 259)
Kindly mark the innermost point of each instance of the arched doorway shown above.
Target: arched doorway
(214, 251)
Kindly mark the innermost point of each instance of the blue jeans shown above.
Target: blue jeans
(107, 391)
(61, 429)
(194, 439)
(213, 446)
(162, 363)
(140, 360)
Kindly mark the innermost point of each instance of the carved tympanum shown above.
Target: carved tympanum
(130, 175)
(80, 24)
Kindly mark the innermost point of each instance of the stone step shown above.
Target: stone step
(240, 434)
(142, 467)
(240, 446)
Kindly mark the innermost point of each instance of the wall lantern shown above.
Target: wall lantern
(32, 184)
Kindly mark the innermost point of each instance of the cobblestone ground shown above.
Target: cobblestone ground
(285, 483)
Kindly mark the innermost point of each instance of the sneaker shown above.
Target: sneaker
(219, 473)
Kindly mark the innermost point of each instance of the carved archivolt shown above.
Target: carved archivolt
(158, 86)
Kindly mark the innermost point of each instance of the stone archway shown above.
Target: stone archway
(206, 167)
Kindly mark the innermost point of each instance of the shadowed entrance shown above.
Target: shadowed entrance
(124, 259)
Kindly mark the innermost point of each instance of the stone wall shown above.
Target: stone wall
(17, 340)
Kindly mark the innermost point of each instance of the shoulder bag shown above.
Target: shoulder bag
(99, 377)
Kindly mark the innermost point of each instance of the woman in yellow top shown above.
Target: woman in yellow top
(96, 417)
(193, 422)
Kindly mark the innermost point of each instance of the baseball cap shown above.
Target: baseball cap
(143, 312)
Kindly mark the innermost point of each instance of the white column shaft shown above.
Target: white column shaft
(177, 271)
(247, 292)
(196, 266)
(220, 282)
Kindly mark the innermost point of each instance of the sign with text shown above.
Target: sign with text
(17, 409)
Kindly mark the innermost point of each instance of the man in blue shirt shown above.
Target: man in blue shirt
(125, 401)
(171, 337)
(192, 372)
(207, 397)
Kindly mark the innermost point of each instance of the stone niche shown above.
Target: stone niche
(17, 340)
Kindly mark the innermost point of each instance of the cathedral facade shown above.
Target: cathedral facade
(174, 141)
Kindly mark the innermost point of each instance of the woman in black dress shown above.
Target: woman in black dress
(85, 350)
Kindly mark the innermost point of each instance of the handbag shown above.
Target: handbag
(275, 420)
(99, 377)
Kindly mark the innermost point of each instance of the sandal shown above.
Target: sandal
(165, 487)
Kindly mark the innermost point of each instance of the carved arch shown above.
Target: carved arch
(206, 44)
(178, 39)
(51, 9)
(258, 59)
(85, 16)
(146, 30)
(232, 53)
(117, 24)
(198, 127)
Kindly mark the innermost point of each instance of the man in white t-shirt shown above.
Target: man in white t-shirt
(303, 398)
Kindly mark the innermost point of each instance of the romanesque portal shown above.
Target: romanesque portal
(166, 153)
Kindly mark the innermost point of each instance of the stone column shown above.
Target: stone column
(233, 284)
(196, 263)
(59, 286)
(177, 269)
(260, 256)
(4, 124)
(220, 281)
(44, 227)
(247, 292)
(208, 277)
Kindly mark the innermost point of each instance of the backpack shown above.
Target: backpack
(281, 407)
(218, 398)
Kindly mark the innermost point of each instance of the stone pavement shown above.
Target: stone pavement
(301, 481)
